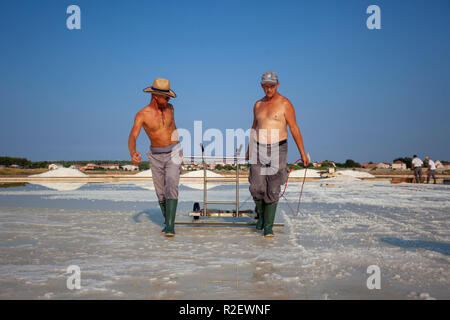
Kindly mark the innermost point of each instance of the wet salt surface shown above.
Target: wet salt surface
(112, 232)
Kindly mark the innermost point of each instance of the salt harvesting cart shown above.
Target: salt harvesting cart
(233, 214)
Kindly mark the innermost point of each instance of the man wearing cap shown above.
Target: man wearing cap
(431, 170)
(158, 121)
(268, 150)
(417, 164)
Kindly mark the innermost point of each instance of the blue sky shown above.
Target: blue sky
(368, 95)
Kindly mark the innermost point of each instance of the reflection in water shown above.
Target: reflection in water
(193, 185)
(144, 185)
(148, 185)
(13, 184)
(199, 185)
(61, 186)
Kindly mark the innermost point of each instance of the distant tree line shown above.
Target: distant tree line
(25, 163)
(9, 161)
(349, 163)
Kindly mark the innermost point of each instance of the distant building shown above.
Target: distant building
(90, 166)
(109, 166)
(399, 165)
(383, 165)
(14, 166)
(76, 166)
(130, 167)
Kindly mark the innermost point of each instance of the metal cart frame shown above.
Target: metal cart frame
(205, 212)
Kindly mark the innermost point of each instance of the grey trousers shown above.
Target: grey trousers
(418, 174)
(431, 173)
(266, 177)
(165, 171)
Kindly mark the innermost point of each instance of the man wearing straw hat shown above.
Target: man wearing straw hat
(268, 150)
(158, 121)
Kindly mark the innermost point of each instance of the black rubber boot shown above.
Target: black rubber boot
(171, 211)
(162, 205)
(260, 213)
(269, 218)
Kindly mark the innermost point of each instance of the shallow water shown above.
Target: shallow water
(112, 232)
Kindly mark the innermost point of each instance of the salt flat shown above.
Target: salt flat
(112, 232)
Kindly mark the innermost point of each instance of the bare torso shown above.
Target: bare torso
(270, 119)
(159, 124)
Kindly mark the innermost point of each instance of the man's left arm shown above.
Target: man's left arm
(289, 114)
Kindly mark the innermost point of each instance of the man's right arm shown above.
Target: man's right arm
(138, 122)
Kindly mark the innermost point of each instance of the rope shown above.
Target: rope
(301, 191)
(285, 185)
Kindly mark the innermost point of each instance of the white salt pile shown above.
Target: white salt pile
(354, 173)
(61, 172)
(146, 173)
(199, 173)
(301, 173)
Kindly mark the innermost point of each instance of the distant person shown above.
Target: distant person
(417, 167)
(271, 116)
(158, 121)
(431, 170)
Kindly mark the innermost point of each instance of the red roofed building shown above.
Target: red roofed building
(90, 166)
(383, 165)
(109, 166)
(400, 165)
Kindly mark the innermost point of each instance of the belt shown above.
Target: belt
(268, 145)
(166, 149)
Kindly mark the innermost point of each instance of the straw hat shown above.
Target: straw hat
(162, 87)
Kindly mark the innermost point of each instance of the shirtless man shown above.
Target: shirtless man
(164, 156)
(268, 150)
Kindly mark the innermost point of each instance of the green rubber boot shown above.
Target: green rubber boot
(171, 211)
(162, 205)
(269, 218)
(260, 213)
